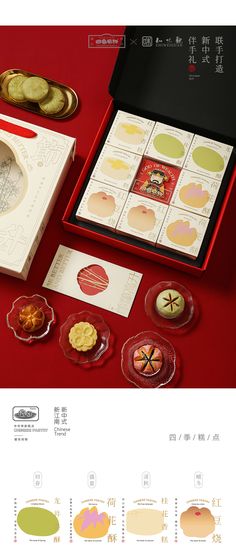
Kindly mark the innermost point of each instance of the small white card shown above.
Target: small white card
(116, 167)
(93, 280)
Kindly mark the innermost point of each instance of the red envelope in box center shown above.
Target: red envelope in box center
(155, 180)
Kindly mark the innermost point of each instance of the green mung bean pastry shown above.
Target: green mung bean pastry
(15, 90)
(35, 89)
(170, 303)
(54, 101)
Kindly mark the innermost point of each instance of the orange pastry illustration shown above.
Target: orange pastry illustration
(197, 522)
(141, 218)
(90, 524)
(193, 195)
(130, 133)
(115, 168)
(180, 233)
(101, 204)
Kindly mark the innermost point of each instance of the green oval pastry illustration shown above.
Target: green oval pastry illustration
(169, 146)
(208, 159)
(36, 521)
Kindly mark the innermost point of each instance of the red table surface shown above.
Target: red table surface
(208, 352)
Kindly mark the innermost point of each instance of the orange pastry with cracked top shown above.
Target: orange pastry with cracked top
(31, 318)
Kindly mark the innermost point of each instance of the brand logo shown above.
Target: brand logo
(106, 41)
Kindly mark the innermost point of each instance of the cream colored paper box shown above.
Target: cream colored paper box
(116, 167)
(183, 231)
(32, 171)
(142, 218)
(208, 157)
(130, 132)
(169, 144)
(101, 204)
(195, 193)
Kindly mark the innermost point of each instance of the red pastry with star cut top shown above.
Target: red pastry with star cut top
(147, 360)
(155, 180)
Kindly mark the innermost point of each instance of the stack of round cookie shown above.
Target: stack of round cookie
(50, 99)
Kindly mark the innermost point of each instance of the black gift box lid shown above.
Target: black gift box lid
(173, 74)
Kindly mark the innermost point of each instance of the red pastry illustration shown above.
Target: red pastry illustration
(147, 360)
(180, 233)
(92, 279)
(101, 204)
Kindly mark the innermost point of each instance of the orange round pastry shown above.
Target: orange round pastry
(197, 522)
(90, 524)
(147, 360)
(31, 318)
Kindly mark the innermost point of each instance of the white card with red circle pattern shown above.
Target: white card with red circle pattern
(93, 280)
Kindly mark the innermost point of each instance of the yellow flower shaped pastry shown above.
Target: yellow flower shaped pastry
(83, 336)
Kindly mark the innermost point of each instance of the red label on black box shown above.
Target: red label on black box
(155, 180)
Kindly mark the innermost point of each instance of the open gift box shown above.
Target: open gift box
(33, 164)
(170, 75)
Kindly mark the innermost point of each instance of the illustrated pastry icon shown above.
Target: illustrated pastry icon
(169, 146)
(208, 159)
(93, 279)
(194, 195)
(147, 360)
(83, 336)
(180, 233)
(37, 521)
(197, 522)
(141, 218)
(91, 524)
(144, 522)
(31, 318)
(115, 168)
(170, 303)
(101, 204)
(130, 133)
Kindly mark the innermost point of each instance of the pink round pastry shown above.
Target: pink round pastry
(147, 360)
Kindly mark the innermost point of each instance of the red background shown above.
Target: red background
(208, 352)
